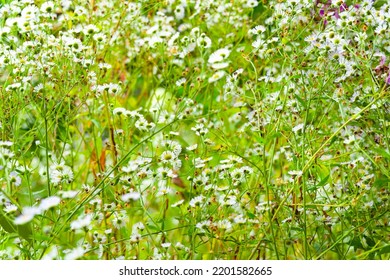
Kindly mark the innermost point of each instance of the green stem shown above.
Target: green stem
(319, 150)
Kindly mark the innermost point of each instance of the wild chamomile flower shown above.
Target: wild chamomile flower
(200, 129)
(224, 225)
(240, 219)
(298, 127)
(179, 12)
(178, 203)
(68, 194)
(217, 76)
(14, 178)
(60, 173)
(49, 202)
(10, 208)
(143, 125)
(163, 189)
(100, 38)
(131, 196)
(204, 42)
(219, 55)
(167, 156)
(220, 65)
(181, 81)
(119, 221)
(197, 201)
(6, 154)
(237, 177)
(109, 206)
(90, 29)
(192, 147)
(99, 238)
(203, 226)
(119, 111)
(74, 254)
(6, 143)
(83, 221)
(250, 3)
(173, 146)
(258, 29)
(28, 213)
(295, 173)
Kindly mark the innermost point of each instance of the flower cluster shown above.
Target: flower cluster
(194, 129)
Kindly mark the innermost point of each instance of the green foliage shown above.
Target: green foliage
(194, 130)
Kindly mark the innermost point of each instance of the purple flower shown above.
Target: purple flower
(343, 7)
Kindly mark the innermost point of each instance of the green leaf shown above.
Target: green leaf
(96, 123)
(356, 243)
(6, 223)
(381, 182)
(379, 3)
(23, 231)
(251, 215)
(384, 250)
(370, 242)
(324, 181)
(303, 103)
(382, 152)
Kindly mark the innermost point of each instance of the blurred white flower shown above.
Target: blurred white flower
(49, 202)
(219, 55)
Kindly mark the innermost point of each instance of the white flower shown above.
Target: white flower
(6, 143)
(51, 254)
(257, 30)
(81, 222)
(192, 147)
(90, 29)
(166, 245)
(180, 12)
(28, 213)
(15, 179)
(250, 4)
(298, 127)
(220, 65)
(204, 42)
(119, 221)
(217, 76)
(296, 173)
(180, 202)
(49, 202)
(167, 157)
(181, 81)
(68, 194)
(200, 129)
(196, 201)
(349, 140)
(143, 125)
(74, 254)
(163, 189)
(131, 196)
(240, 219)
(258, 43)
(225, 225)
(237, 73)
(138, 226)
(203, 226)
(119, 111)
(59, 173)
(100, 38)
(237, 176)
(219, 55)
(9, 208)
